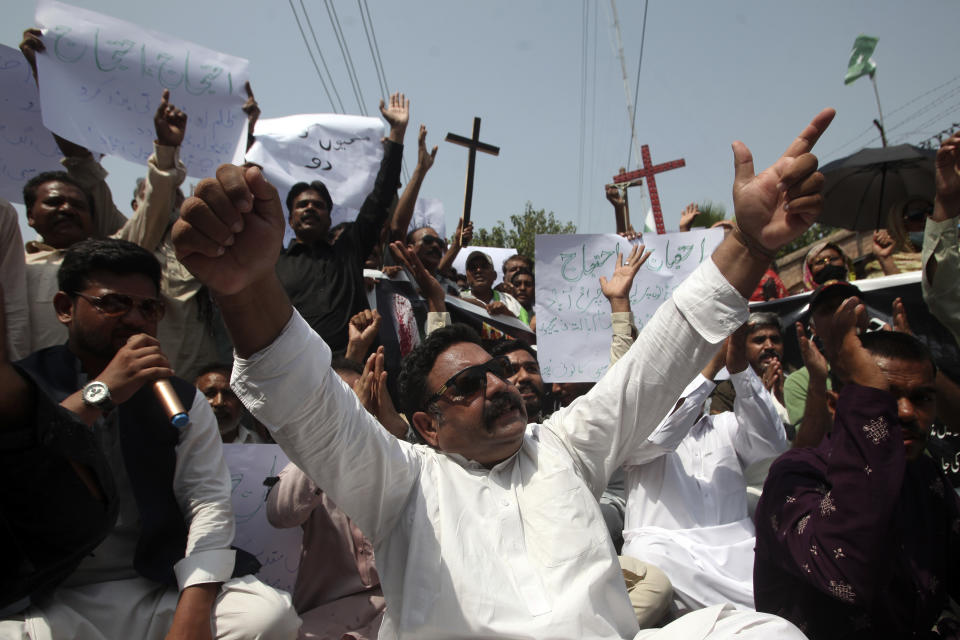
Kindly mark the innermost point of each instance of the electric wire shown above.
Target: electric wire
(309, 51)
(323, 61)
(871, 127)
(636, 89)
(583, 99)
(375, 55)
(345, 52)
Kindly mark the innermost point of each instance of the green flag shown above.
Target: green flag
(860, 63)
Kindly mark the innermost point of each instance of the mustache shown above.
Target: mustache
(501, 403)
(769, 353)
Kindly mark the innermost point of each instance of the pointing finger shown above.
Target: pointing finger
(810, 134)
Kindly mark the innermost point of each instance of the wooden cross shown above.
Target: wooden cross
(649, 172)
(473, 143)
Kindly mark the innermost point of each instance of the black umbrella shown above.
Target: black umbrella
(861, 188)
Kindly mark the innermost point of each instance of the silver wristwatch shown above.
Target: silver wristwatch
(97, 395)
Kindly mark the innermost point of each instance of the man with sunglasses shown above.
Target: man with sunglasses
(491, 529)
(165, 564)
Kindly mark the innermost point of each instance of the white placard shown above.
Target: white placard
(278, 550)
(428, 212)
(341, 151)
(26, 147)
(497, 254)
(101, 80)
(573, 317)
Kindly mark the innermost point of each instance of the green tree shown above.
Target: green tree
(816, 232)
(523, 230)
(710, 213)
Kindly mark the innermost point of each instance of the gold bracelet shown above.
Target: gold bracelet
(752, 244)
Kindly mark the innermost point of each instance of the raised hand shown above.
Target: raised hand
(688, 215)
(424, 159)
(362, 332)
(229, 232)
(397, 116)
(366, 385)
(429, 286)
(463, 239)
(883, 244)
(813, 360)
(170, 123)
(848, 359)
(736, 355)
(617, 288)
(947, 179)
(30, 46)
(773, 379)
(250, 107)
(781, 202)
(900, 322)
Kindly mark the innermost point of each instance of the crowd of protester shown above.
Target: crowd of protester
(703, 487)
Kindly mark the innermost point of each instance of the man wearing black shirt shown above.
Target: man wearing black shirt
(325, 281)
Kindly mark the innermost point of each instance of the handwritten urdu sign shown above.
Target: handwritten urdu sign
(26, 147)
(278, 550)
(341, 151)
(573, 317)
(101, 80)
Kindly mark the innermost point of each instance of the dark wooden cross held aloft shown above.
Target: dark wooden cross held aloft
(649, 171)
(473, 143)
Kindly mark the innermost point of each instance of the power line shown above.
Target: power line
(375, 54)
(593, 110)
(583, 98)
(322, 59)
(345, 52)
(315, 66)
(870, 128)
(636, 90)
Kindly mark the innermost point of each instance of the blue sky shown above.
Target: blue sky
(712, 72)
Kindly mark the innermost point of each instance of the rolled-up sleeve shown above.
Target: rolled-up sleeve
(201, 484)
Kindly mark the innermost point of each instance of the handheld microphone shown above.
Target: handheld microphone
(171, 403)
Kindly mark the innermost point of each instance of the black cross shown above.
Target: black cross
(473, 143)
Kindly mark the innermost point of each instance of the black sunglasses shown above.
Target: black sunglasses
(114, 305)
(467, 382)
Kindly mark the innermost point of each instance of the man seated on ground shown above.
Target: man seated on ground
(165, 566)
(686, 492)
(858, 536)
(487, 491)
(325, 281)
(337, 592)
(214, 383)
(481, 276)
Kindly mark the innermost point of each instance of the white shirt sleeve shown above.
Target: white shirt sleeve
(201, 484)
(759, 431)
(323, 428)
(674, 427)
(613, 420)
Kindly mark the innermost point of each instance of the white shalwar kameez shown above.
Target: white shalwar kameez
(686, 494)
(519, 550)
